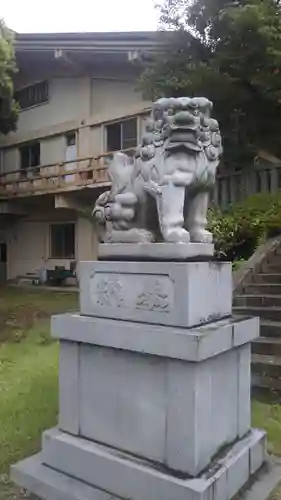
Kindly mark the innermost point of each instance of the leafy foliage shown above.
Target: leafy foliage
(229, 51)
(238, 231)
(8, 106)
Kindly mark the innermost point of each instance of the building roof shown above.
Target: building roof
(147, 41)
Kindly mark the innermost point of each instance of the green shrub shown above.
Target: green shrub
(239, 230)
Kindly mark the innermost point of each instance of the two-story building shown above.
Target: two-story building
(79, 102)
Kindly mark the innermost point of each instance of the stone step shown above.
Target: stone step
(274, 260)
(271, 313)
(270, 300)
(270, 328)
(277, 251)
(267, 345)
(266, 365)
(263, 289)
(274, 267)
(267, 278)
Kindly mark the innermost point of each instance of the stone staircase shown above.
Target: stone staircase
(260, 295)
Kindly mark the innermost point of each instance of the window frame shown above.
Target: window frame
(71, 134)
(3, 260)
(56, 257)
(28, 146)
(29, 87)
(120, 122)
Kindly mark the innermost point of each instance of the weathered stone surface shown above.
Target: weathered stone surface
(244, 385)
(155, 388)
(69, 387)
(163, 192)
(194, 344)
(50, 484)
(77, 464)
(157, 407)
(155, 252)
(257, 452)
(176, 293)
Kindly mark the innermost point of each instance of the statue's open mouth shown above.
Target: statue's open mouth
(190, 146)
(183, 137)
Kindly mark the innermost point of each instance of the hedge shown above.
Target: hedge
(239, 230)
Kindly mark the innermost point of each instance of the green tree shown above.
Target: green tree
(229, 51)
(8, 106)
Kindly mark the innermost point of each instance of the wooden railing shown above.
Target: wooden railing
(69, 175)
(55, 178)
(231, 186)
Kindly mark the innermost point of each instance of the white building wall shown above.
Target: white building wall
(28, 242)
(10, 160)
(53, 150)
(66, 102)
(71, 100)
(113, 95)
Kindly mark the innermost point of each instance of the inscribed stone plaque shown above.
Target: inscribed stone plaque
(166, 293)
(132, 291)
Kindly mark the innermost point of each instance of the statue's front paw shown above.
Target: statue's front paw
(176, 235)
(201, 236)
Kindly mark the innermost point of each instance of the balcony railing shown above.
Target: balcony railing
(55, 178)
(231, 187)
(75, 174)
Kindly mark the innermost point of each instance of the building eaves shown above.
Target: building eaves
(101, 42)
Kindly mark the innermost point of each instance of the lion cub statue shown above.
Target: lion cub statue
(162, 193)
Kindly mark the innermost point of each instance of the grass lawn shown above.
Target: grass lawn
(28, 379)
(28, 373)
(267, 415)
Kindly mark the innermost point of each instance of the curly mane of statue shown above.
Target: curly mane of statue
(162, 193)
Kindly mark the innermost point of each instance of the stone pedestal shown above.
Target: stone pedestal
(154, 389)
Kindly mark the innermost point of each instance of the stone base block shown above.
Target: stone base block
(74, 468)
(49, 484)
(173, 396)
(156, 251)
(183, 294)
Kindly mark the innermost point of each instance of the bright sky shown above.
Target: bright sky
(27, 16)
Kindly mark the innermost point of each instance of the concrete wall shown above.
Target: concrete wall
(28, 242)
(11, 160)
(113, 95)
(53, 150)
(72, 103)
(66, 96)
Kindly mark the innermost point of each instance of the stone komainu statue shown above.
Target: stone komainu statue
(162, 193)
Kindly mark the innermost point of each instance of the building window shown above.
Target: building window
(3, 253)
(62, 241)
(33, 95)
(70, 139)
(121, 135)
(29, 155)
(1, 162)
(70, 154)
